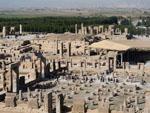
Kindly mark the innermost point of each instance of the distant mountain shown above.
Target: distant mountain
(16, 4)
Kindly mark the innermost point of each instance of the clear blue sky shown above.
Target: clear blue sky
(73, 3)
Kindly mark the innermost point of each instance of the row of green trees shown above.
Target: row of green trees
(65, 24)
(55, 24)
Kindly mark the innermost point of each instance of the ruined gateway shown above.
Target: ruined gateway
(94, 70)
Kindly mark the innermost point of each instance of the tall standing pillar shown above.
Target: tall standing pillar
(82, 29)
(76, 29)
(100, 29)
(121, 59)
(28, 94)
(115, 63)
(61, 49)
(48, 103)
(20, 95)
(59, 64)
(90, 30)
(15, 80)
(53, 65)
(20, 29)
(42, 69)
(97, 29)
(59, 103)
(85, 30)
(69, 49)
(57, 46)
(126, 31)
(40, 97)
(4, 31)
(70, 62)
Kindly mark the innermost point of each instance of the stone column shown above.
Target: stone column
(85, 30)
(79, 31)
(76, 29)
(4, 31)
(127, 65)
(81, 72)
(59, 103)
(15, 80)
(106, 30)
(101, 29)
(115, 63)
(10, 81)
(121, 59)
(53, 65)
(90, 30)
(28, 94)
(12, 30)
(126, 31)
(56, 46)
(69, 49)
(20, 29)
(20, 95)
(40, 97)
(42, 70)
(3, 80)
(56, 65)
(97, 30)
(48, 103)
(82, 29)
(68, 65)
(59, 64)
(61, 49)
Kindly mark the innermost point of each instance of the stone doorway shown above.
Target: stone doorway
(111, 64)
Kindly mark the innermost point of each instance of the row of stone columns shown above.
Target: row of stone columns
(89, 29)
(99, 29)
(48, 66)
(62, 49)
(12, 28)
(83, 64)
(48, 108)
